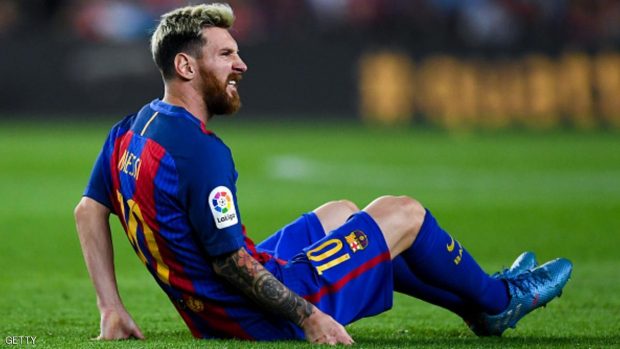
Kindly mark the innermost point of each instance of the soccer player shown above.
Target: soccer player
(172, 183)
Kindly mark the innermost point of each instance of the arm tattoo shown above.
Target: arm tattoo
(246, 273)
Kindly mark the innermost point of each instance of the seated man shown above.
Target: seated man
(172, 183)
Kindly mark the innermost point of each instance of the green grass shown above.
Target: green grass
(556, 193)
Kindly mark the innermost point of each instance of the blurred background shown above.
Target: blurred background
(536, 81)
(450, 63)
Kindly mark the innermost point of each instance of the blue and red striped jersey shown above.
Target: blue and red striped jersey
(172, 184)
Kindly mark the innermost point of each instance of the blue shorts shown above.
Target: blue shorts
(347, 273)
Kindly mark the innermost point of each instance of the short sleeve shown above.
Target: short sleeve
(210, 195)
(99, 184)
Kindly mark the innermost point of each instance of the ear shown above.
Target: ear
(185, 66)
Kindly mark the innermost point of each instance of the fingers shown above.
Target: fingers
(334, 340)
(118, 324)
(333, 335)
(343, 337)
(136, 333)
(321, 328)
(119, 334)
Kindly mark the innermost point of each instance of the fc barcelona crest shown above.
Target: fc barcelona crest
(357, 240)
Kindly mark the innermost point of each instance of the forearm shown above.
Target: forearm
(246, 273)
(96, 242)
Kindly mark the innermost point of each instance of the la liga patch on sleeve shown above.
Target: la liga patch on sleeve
(223, 207)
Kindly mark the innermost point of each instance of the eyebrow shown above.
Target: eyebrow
(228, 49)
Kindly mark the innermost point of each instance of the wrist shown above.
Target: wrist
(109, 305)
(310, 319)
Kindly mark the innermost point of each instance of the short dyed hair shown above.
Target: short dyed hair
(180, 30)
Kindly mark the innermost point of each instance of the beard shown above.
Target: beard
(217, 100)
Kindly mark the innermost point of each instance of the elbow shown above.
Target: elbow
(218, 264)
(81, 211)
(81, 214)
(222, 265)
(88, 210)
(217, 269)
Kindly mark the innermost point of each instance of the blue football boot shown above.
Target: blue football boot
(524, 263)
(528, 291)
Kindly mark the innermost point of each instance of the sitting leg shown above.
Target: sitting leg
(439, 260)
(435, 257)
(335, 213)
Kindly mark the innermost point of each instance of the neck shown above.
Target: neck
(188, 98)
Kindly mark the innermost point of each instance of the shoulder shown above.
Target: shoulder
(183, 138)
(199, 157)
(123, 126)
(125, 123)
(117, 131)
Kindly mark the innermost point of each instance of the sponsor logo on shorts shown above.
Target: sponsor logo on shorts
(357, 240)
(223, 207)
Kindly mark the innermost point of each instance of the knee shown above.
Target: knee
(400, 219)
(334, 213)
(414, 210)
(339, 208)
(407, 211)
(406, 204)
(346, 206)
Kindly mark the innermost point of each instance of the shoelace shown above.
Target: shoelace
(525, 282)
(505, 270)
(499, 274)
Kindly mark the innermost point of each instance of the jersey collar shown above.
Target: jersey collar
(160, 106)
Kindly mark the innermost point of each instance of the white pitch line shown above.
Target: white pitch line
(299, 169)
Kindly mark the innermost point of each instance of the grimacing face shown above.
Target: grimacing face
(220, 69)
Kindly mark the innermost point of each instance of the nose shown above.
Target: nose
(239, 66)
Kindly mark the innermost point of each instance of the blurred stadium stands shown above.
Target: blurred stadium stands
(455, 63)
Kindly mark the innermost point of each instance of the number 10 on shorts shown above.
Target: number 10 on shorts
(326, 250)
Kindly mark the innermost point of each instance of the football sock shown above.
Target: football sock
(406, 282)
(440, 261)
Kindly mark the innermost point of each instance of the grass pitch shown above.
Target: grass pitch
(557, 194)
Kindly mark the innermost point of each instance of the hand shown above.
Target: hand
(116, 323)
(321, 328)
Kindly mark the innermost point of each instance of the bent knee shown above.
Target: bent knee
(405, 204)
(400, 219)
(338, 207)
(347, 206)
(335, 213)
(405, 209)
(414, 209)
(411, 210)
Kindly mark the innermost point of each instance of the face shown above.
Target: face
(220, 69)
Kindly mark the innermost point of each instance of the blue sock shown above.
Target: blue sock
(406, 282)
(439, 260)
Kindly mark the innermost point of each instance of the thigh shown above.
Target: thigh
(290, 240)
(333, 271)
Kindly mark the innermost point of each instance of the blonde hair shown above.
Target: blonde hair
(180, 30)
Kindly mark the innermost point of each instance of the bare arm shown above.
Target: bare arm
(95, 238)
(246, 273)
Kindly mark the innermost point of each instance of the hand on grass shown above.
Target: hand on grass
(321, 328)
(116, 323)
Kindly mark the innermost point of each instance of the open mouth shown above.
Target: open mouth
(233, 80)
